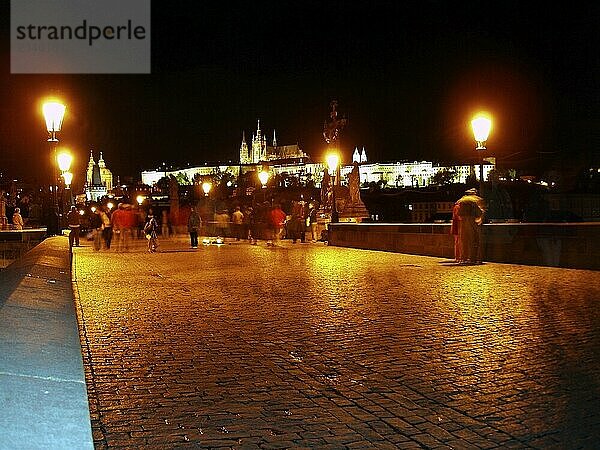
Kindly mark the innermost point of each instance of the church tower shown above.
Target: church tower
(259, 146)
(90, 169)
(244, 156)
(363, 156)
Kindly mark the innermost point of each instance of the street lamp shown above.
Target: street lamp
(54, 113)
(333, 162)
(482, 126)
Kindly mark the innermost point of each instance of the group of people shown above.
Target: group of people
(467, 218)
(265, 221)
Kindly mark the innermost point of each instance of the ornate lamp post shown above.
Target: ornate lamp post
(482, 126)
(54, 113)
(333, 162)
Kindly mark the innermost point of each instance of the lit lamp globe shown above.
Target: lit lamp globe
(110, 205)
(263, 176)
(140, 199)
(482, 125)
(332, 162)
(64, 160)
(206, 187)
(54, 113)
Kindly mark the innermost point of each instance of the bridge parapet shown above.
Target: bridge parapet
(569, 245)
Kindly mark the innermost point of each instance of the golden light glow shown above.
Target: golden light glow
(110, 205)
(64, 160)
(332, 161)
(93, 208)
(482, 125)
(140, 199)
(54, 113)
(263, 176)
(81, 212)
(68, 177)
(206, 187)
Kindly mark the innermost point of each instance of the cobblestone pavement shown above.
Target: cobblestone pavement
(241, 346)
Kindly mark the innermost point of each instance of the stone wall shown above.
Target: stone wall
(561, 245)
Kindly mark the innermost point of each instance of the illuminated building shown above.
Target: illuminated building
(99, 179)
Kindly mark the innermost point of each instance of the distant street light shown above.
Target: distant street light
(54, 113)
(333, 162)
(482, 126)
(206, 187)
(140, 199)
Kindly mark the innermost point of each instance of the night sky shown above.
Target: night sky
(409, 76)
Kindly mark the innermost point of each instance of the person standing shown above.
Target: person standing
(194, 224)
(150, 229)
(237, 219)
(74, 222)
(17, 219)
(470, 211)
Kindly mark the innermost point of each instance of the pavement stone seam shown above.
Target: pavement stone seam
(37, 377)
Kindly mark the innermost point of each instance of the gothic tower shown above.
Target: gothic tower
(244, 156)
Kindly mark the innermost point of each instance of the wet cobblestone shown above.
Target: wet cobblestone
(307, 346)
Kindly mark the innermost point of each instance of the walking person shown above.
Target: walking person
(17, 219)
(471, 210)
(74, 222)
(194, 224)
(150, 229)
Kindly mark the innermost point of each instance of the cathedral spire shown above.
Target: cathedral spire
(274, 139)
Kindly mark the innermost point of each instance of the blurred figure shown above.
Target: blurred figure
(17, 219)
(222, 224)
(151, 229)
(297, 223)
(107, 227)
(96, 226)
(194, 224)
(237, 219)
(276, 222)
(74, 222)
(312, 220)
(470, 211)
(128, 226)
(117, 224)
(454, 231)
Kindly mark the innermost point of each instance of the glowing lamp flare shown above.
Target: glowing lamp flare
(263, 177)
(54, 113)
(332, 162)
(482, 126)
(206, 187)
(64, 160)
(140, 199)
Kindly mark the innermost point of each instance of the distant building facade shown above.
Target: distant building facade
(291, 160)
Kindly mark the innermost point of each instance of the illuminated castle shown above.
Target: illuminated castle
(260, 151)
